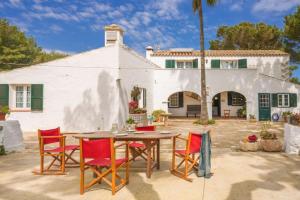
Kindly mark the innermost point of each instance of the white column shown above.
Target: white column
(209, 109)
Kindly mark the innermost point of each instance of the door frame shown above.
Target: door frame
(259, 107)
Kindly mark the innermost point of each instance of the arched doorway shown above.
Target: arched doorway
(229, 104)
(184, 104)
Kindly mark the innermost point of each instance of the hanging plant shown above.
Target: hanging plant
(135, 93)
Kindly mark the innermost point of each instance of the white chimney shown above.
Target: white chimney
(113, 35)
(149, 51)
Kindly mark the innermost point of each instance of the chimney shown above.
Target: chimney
(149, 51)
(113, 35)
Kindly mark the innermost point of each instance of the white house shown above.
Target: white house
(91, 90)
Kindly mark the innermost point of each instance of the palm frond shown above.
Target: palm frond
(196, 4)
(211, 2)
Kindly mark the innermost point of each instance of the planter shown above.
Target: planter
(140, 119)
(249, 146)
(2, 116)
(252, 120)
(271, 145)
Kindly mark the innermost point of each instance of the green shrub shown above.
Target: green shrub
(4, 109)
(130, 121)
(156, 114)
(200, 122)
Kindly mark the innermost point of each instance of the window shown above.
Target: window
(184, 64)
(283, 100)
(229, 64)
(23, 96)
(264, 101)
(174, 100)
(180, 64)
(238, 99)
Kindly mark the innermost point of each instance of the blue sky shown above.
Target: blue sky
(77, 25)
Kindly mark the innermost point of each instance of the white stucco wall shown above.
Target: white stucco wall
(84, 92)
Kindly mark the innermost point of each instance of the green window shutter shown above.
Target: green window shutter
(37, 96)
(275, 100)
(180, 98)
(229, 98)
(170, 63)
(4, 94)
(195, 63)
(293, 100)
(242, 63)
(215, 64)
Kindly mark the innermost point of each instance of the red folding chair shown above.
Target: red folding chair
(187, 155)
(61, 152)
(138, 149)
(99, 156)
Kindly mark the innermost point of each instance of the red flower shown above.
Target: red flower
(252, 138)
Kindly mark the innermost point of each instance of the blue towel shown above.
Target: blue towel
(205, 156)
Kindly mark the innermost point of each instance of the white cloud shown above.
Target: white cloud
(236, 6)
(59, 51)
(55, 28)
(16, 3)
(274, 5)
(166, 9)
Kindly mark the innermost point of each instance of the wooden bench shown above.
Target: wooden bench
(193, 110)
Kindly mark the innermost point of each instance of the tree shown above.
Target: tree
(197, 7)
(247, 36)
(18, 50)
(292, 35)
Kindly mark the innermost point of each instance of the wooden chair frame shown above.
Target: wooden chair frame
(101, 175)
(189, 160)
(60, 157)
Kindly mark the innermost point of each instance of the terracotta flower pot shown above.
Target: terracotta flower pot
(2, 116)
(271, 145)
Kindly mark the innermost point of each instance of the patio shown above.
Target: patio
(237, 175)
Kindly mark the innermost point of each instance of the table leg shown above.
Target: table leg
(158, 154)
(149, 159)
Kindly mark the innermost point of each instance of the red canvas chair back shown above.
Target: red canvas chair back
(145, 128)
(96, 149)
(50, 132)
(195, 142)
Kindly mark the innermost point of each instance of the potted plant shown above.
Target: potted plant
(286, 115)
(249, 143)
(4, 110)
(156, 114)
(130, 123)
(295, 119)
(252, 118)
(139, 115)
(242, 113)
(269, 141)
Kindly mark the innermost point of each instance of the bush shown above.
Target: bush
(130, 121)
(4, 109)
(200, 122)
(156, 114)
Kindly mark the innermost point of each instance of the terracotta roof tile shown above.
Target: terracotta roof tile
(220, 53)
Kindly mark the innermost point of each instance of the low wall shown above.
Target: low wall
(291, 138)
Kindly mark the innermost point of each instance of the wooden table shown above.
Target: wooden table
(149, 138)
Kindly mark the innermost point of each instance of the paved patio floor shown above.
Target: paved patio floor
(236, 175)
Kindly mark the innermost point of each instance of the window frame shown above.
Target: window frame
(184, 64)
(175, 95)
(235, 97)
(26, 97)
(283, 100)
(230, 67)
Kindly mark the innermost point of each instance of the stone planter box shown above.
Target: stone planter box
(249, 146)
(291, 139)
(140, 119)
(11, 136)
(271, 145)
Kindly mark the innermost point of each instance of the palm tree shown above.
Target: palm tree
(197, 6)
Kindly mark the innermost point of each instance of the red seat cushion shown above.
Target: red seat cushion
(60, 149)
(105, 162)
(137, 145)
(183, 152)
